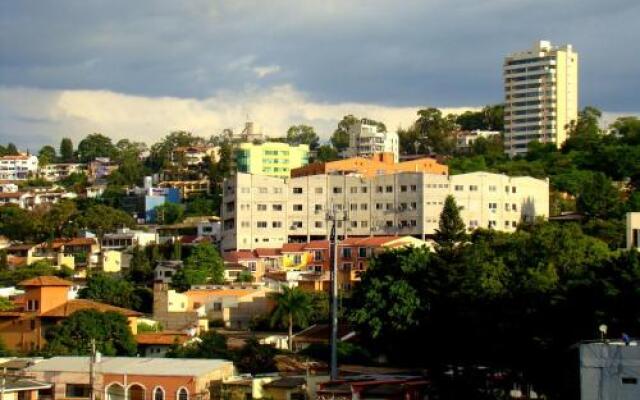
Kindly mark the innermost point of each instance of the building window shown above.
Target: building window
(389, 206)
(297, 207)
(414, 188)
(362, 252)
(364, 224)
(276, 224)
(378, 189)
(364, 189)
(262, 224)
(318, 190)
(389, 189)
(158, 394)
(296, 224)
(262, 207)
(458, 188)
(493, 206)
(217, 306)
(277, 207)
(378, 206)
(364, 206)
(354, 224)
(346, 252)
(337, 190)
(353, 207)
(297, 190)
(245, 224)
(33, 305)
(252, 266)
(277, 190)
(183, 394)
(389, 224)
(297, 258)
(513, 189)
(262, 190)
(318, 207)
(473, 188)
(318, 224)
(514, 207)
(317, 255)
(77, 391)
(403, 188)
(492, 188)
(354, 189)
(492, 224)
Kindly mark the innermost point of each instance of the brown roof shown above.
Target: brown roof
(18, 247)
(45, 281)
(161, 338)
(10, 195)
(267, 252)
(293, 247)
(81, 242)
(72, 306)
(235, 256)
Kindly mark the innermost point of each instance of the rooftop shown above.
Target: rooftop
(72, 306)
(45, 281)
(133, 366)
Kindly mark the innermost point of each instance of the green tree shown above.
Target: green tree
(200, 206)
(169, 213)
(204, 265)
(66, 151)
(255, 358)
(292, 306)
(303, 134)
(628, 128)
(109, 289)
(450, 235)
(211, 345)
(598, 197)
(245, 276)
(73, 336)
(11, 150)
(340, 137)
(46, 155)
(140, 269)
(95, 145)
(436, 132)
(326, 153)
(101, 219)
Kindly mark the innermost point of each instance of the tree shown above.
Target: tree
(450, 235)
(109, 289)
(255, 358)
(46, 155)
(11, 150)
(101, 219)
(204, 265)
(436, 132)
(211, 345)
(95, 145)
(326, 153)
(200, 206)
(303, 134)
(340, 137)
(140, 269)
(169, 213)
(66, 151)
(292, 306)
(160, 153)
(73, 336)
(584, 134)
(598, 197)
(628, 129)
(245, 276)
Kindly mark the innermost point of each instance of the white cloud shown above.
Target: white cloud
(32, 117)
(263, 71)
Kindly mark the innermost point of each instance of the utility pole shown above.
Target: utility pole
(92, 370)
(332, 215)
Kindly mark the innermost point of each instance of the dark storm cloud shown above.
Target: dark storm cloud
(443, 53)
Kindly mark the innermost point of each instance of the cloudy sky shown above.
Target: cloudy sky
(139, 69)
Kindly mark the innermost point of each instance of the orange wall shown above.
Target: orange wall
(170, 384)
(377, 165)
(48, 297)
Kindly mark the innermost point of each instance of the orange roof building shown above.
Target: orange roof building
(44, 303)
(378, 164)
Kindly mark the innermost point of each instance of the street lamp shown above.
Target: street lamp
(334, 215)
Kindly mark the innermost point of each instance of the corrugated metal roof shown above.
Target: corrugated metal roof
(132, 366)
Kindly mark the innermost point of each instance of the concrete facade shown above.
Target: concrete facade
(633, 230)
(267, 212)
(541, 95)
(366, 139)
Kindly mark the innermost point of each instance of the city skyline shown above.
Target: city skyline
(71, 70)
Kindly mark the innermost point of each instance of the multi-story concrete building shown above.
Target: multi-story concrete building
(18, 167)
(59, 171)
(259, 211)
(271, 158)
(366, 139)
(541, 95)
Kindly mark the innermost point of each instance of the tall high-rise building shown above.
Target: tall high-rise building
(541, 95)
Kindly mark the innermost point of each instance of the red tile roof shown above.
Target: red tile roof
(268, 252)
(239, 255)
(161, 338)
(293, 247)
(72, 306)
(44, 281)
(81, 242)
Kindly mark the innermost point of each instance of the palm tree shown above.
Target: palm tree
(292, 304)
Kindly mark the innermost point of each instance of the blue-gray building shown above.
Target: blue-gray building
(609, 371)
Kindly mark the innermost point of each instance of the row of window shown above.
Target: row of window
(364, 189)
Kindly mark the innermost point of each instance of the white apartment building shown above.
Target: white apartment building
(365, 140)
(541, 95)
(260, 211)
(18, 167)
(59, 171)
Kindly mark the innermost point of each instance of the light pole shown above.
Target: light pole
(332, 215)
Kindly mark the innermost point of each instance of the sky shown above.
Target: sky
(140, 69)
